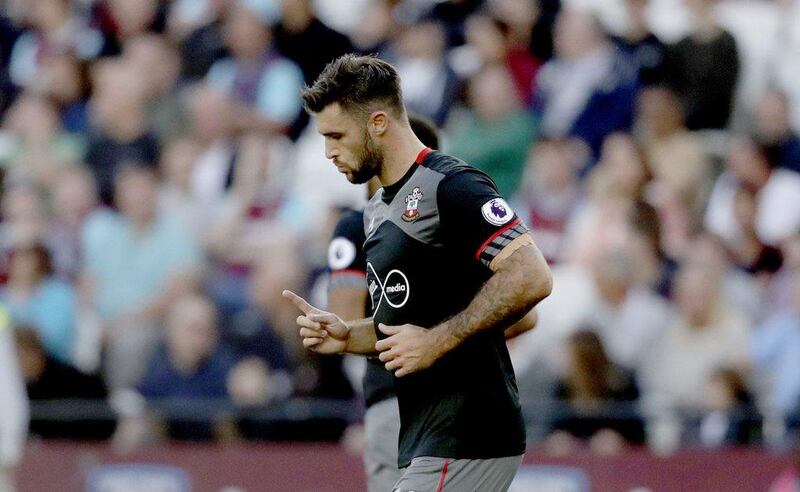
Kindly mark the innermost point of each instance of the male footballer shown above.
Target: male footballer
(449, 266)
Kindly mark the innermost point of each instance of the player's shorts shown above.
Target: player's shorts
(382, 429)
(431, 474)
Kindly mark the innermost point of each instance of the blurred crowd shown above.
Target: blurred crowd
(161, 185)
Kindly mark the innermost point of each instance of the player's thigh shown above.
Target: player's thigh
(382, 428)
(429, 474)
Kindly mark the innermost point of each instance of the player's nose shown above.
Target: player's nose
(330, 151)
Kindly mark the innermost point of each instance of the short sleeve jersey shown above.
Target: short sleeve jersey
(348, 268)
(430, 240)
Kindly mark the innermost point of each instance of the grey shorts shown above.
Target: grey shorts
(382, 429)
(431, 474)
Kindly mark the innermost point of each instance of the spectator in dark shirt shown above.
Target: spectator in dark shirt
(191, 365)
(119, 90)
(703, 69)
(641, 44)
(731, 417)
(590, 389)
(48, 379)
(772, 125)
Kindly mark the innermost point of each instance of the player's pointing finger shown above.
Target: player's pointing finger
(298, 301)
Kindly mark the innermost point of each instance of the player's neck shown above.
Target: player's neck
(399, 155)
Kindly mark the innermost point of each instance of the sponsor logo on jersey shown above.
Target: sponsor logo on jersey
(497, 212)
(412, 204)
(394, 289)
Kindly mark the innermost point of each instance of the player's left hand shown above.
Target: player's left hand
(408, 349)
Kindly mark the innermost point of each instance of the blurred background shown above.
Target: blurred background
(161, 186)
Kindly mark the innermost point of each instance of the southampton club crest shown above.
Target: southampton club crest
(412, 204)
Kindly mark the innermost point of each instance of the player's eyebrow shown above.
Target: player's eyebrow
(331, 134)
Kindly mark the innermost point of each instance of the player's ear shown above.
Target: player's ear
(378, 123)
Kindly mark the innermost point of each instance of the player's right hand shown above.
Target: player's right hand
(322, 332)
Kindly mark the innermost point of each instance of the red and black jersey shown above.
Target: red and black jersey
(430, 240)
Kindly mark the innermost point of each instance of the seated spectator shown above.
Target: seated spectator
(154, 55)
(598, 400)
(550, 193)
(675, 156)
(628, 318)
(587, 90)
(265, 84)
(53, 29)
(705, 334)
(306, 40)
(749, 253)
(198, 33)
(191, 364)
(33, 296)
(428, 82)
(639, 42)
(495, 44)
(496, 134)
(74, 199)
(24, 220)
(137, 262)
(703, 69)
(773, 126)
(754, 165)
(66, 82)
(774, 349)
(38, 147)
(730, 417)
(119, 89)
(653, 267)
(46, 378)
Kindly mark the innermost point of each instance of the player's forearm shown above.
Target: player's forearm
(527, 323)
(362, 337)
(520, 282)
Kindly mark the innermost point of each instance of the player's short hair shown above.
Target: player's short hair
(360, 84)
(425, 130)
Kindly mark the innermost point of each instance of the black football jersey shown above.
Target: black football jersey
(430, 240)
(348, 268)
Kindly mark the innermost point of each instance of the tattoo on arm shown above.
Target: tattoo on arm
(520, 281)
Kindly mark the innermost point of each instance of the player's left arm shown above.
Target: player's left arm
(520, 277)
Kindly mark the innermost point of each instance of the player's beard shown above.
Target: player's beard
(371, 161)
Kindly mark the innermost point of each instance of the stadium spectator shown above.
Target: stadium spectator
(638, 41)
(595, 400)
(629, 319)
(65, 80)
(197, 29)
(772, 125)
(754, 165)
(73, 199)
(587, 90)
(153, 55)
(191, 364)
(14, 417)
(774, 345)
(496, 42)
(38, 147)
(429, 83)
(24, 217)
(33, 296)
(47, 378)
(730, 415)
(549, 193)
(748, 252)
(703, 69)
(264, 84)
(496, 132)
(306, 40)
(53, 29)
(674, 155)
(138, 261)
(120, 89)
(706, 334)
